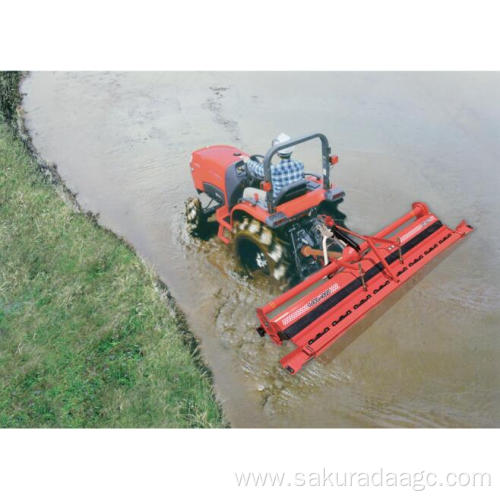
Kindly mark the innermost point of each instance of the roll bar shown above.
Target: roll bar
(325, 156)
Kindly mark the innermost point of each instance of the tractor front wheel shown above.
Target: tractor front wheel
(195, 217)
(259, 249)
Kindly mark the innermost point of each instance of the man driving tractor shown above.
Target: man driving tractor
(268, 222)
(283, 173)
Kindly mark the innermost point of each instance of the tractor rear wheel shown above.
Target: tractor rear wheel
(195, 218)
(260, 250)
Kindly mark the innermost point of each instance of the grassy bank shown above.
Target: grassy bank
(86, 337)
(10, 97)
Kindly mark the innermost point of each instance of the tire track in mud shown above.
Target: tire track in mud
(215, 105)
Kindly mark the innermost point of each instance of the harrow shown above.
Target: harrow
(318, 311)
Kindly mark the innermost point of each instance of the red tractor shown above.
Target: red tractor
(274, 236)
(342, 274)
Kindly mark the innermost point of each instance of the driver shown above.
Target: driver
(283, 173)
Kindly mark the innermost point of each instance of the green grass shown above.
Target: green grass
(86, 337)
(10, 97)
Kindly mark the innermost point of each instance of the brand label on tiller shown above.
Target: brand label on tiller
(417, 228)
(316, 300)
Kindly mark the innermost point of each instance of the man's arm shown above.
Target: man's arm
(254, 167)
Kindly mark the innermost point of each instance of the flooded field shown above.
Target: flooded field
(427, 357)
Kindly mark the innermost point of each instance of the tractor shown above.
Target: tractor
(278, 237)
(301, 236)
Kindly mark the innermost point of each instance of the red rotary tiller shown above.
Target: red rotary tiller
(353, 283)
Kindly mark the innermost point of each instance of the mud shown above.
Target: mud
(429, 355)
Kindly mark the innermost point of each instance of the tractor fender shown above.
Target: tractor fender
(246, 208)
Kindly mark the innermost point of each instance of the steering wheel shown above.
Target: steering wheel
(257, 157)
(241, 168)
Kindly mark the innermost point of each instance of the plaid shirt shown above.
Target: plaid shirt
(282, 174)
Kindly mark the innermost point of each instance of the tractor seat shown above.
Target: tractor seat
(292, 191)
(255, 196)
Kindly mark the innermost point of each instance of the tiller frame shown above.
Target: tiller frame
(353, 282)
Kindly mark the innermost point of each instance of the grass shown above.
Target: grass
(10, 97)
(86, 336)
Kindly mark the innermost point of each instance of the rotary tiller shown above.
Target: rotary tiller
(318, 311)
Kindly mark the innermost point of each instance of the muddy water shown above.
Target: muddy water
(429, 356)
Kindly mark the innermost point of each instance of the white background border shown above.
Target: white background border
(250, 34)
(150, 464)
